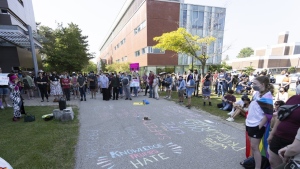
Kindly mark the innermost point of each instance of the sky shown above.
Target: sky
(248, 23)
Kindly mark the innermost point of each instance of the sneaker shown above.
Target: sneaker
(84, 99)
(2, 107)
(166, 97)
(130, 99)
(81, 99)
(230, 119)
(8, 105)
(230, 113)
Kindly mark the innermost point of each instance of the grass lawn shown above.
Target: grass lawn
(197, 102)
(39, 144)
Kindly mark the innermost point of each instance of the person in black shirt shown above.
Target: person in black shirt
(42, 81)
(93, 84)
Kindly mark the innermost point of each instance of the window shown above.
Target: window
(21, 2)
(149, 49)
(137, 53)
(125, 58)
(4, 11)
(143, 50)
(122, 41)
(140, 27)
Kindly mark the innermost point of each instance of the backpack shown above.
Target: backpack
(125, 81)
(285, 110)
(25, 82)
(249, 163)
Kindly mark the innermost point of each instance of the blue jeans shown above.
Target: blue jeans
(229, 86)
(82, 92)
(127, 91)
(120, 90)
(135, 91)
(226, 106)
(221, 87)
(151, 91)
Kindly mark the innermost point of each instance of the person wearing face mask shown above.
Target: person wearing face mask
(169, 82)
(286, 81)
(66, 86)
(93, 83)
(260, 112)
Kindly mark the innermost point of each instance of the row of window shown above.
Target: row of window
(148, 49)
(140, 27)
(119, 44)
(123, 59)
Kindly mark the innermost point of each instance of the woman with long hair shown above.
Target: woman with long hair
(190, 88)
(15, 96)
(260, 110)
(42, 82)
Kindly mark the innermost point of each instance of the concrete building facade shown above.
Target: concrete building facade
(16, 20)
(274, 58)
(139, 21)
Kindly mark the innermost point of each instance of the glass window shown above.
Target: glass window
(195, 8)
(143, 50)
(137, 53)
(184, 18)
(184, 6)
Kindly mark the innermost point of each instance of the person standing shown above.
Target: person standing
(115, 83)
(93, 84)
(144, 78)
(126, 87)
(66, 86)
(215, 81)
(15, 96)
(206, 91)
(104, 86)
(169, 82)
(42, 82)
(221, 83)
(150, 82)
(3, 94)
(75, 87)
(286, 81)
(28, 85)
(155, 87)
(81, 84)
(190, 88)
(56, 90)
(181, 88)
(197, 80)
(259, 111)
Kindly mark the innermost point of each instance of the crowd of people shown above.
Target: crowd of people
(259, 103)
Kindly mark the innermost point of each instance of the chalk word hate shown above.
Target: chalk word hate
(151, 159)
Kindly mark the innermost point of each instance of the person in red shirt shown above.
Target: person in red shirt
(66, 86)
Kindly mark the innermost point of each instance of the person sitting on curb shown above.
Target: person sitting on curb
(240, 110)
(228, 100)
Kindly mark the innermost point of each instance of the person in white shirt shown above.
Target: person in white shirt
(282, 95)
(155, 87)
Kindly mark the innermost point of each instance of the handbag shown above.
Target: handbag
(285, 110)
(29, 118)
(292, 164)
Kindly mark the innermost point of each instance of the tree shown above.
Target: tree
(66, 49)
(180, 41)
(245, 52)
(103, 65)
(118, 67)
(249, 70)
(292, 69)
(90, 67)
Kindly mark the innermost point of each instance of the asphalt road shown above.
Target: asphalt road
(114, 135)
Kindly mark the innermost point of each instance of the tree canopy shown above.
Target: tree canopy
(65, 48)
(245, 52)
(118, 67)
(181, 41)
(91, 66)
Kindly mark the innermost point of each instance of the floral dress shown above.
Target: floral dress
(15, 97)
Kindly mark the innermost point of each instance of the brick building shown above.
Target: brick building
(139, 21)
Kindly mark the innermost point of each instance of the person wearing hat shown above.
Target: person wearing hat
(15, 95)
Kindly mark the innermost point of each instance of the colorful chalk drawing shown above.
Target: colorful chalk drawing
(156, 130)
(215, 139)
(141, 156)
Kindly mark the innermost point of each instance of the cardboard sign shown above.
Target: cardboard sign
(4, 79)
(135, 83)
(138, 103)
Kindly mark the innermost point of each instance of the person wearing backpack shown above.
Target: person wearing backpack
(284, 132)
(126, 88)
(28, 85)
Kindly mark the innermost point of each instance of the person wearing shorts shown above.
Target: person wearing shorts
(283, 132)
(256, 118)
(169, 82)
(181, 88)
(93, 81)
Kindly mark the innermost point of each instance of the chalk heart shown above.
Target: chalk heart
(151, 159)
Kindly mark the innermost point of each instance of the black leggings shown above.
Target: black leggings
(44, 93)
